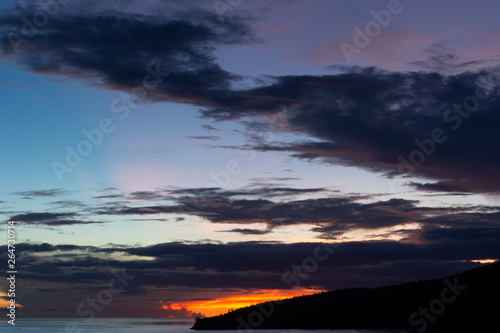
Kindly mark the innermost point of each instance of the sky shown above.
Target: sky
(177, 159)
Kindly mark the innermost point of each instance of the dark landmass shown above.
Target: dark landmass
(467, 302)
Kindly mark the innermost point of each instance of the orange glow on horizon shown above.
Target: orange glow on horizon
(218, 306)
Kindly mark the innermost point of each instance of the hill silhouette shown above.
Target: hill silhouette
(466, 302)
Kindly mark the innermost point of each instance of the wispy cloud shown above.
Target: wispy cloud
(43, 193)
(50, 219)
(11, 85)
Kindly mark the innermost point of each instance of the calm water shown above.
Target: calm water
(143, 325)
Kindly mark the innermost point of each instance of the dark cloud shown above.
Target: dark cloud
(330, 213)
(106, 189)
(196, 190)
(359, 117)
(276, 179)
(209, 128)
(256, 265)
(68, 204)
(257, 191)
(443, 60)
(109, 196)
(172, 311)
(115, 49)
(330, 217)
(245, 206)
(368, 118)
(146, 195)
(46, 247)
(52, 272)
(11, 85)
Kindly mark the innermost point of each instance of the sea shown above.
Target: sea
(143, 325)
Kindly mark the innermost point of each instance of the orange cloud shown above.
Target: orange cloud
(222, 305)
(485, 261)
(178, 310)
